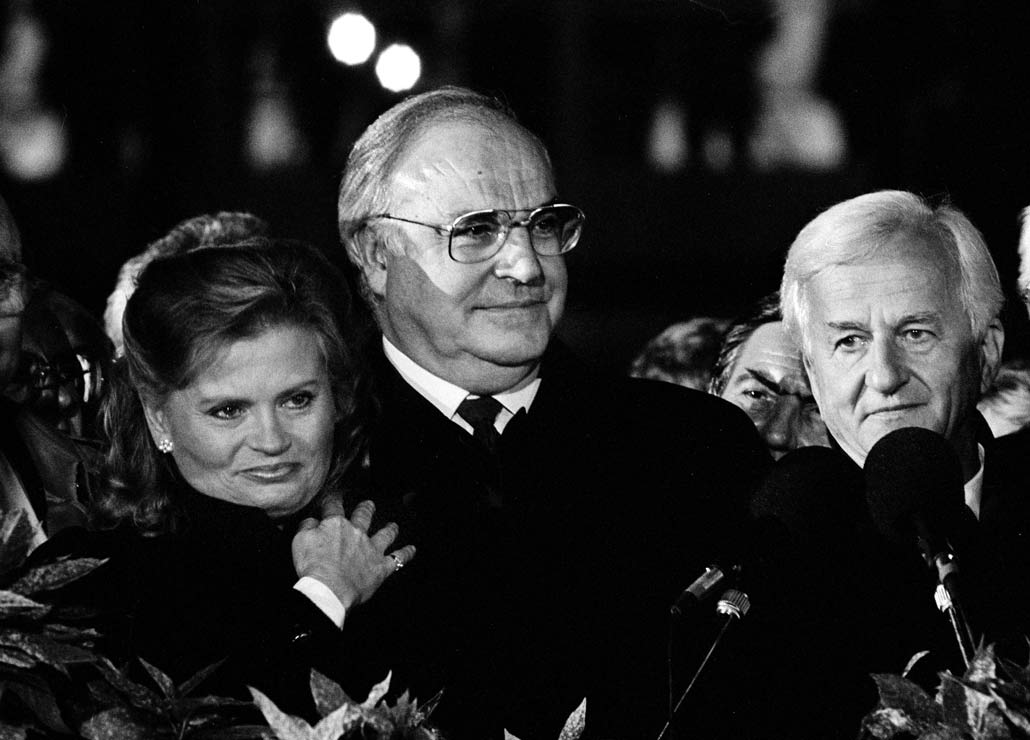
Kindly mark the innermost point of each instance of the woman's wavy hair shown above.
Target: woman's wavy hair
(186, 309)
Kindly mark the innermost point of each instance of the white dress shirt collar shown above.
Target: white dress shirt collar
(446, 396)
(974, 486)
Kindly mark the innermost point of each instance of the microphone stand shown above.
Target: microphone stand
(947, 599)
(733, 605)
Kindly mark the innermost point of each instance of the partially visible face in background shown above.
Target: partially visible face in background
(768, 382)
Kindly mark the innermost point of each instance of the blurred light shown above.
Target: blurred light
(352, 38)
(398, 67)
(667, 148)
(35, 148)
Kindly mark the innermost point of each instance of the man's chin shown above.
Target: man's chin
(511, 348)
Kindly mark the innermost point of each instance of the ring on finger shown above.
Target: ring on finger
(397, 562)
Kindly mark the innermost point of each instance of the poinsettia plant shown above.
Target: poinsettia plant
(342, 717)
(36, 646)
(990, 702)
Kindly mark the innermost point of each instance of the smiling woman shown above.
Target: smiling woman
(234, 420)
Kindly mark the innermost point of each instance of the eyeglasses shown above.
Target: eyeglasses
(479, 235)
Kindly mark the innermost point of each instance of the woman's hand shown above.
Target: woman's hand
(340, 553)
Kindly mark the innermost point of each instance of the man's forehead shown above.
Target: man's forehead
(769, 352)
(906, 283)
(459, 165)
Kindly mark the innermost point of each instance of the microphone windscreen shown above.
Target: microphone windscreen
(913, 474)
(809, 491)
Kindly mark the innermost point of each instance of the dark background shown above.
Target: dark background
(153, 98)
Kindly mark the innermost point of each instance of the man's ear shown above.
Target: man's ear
(368, 251)
(990, 353)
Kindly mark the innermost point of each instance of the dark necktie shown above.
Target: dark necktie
(481, 413)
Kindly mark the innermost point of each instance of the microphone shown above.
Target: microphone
(792, 508)
(794, 520)
(714, 580)
(914, 489)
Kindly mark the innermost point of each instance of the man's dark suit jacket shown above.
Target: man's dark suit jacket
(545, 575)
(54, 471)
(848, 603)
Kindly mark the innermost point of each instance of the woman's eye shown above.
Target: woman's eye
(299, 400)
(226, 411)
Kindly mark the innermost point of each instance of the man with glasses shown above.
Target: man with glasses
(557, 513)
(43, 475)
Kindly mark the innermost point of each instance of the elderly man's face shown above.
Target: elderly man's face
(481, 326)
(891, 346)
(768, 381)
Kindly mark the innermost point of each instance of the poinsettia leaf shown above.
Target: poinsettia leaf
(137, 695)
(42, 703)
(377, 692)
(161, 678)
(64, 633)
(885, 723)
(982, 667)
(55, 575)
(14, 605)
(900, 693)
(338, 722)
(105, 695)
(186, 687)
(17, 658)
(286, 726)
(201, 703)
(576, 722)
(943, 732)
(328, 695)
(1016, 715)
(16, 538)
(423, 712)
(45, 650)
(1015, 696)
(404, 712)
(115, 724)
(951, 695)
(912, 662)
(237, 732)
(972, 706)
(10, 732)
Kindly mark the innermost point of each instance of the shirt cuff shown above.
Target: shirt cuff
(322, 597)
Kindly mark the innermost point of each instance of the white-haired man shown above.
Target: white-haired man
(895, 303)
(557, 513)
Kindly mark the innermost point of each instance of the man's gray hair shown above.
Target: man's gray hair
(859, 229)
(1024, 258)
(364, 190)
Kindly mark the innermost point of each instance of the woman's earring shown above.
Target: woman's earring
(165, 445)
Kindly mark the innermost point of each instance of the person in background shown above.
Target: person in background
(224, 227)
(44, 476)
(683, 353)
(759, 369)
(558, 512)
(1006, 404)
(234, 421)
(64, 356)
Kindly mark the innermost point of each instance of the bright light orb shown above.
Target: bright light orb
(352, 38)
(398, 67)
